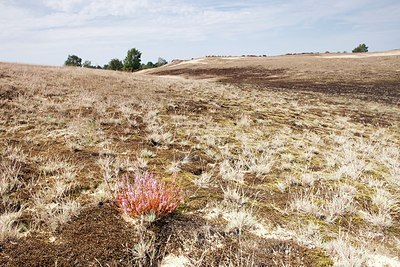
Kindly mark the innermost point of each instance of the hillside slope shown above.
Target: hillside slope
(373, 76)
(283, 161)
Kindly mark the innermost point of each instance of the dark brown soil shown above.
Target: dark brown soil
(380, 91)
(8, 92)
(189, 106)
(98, 235)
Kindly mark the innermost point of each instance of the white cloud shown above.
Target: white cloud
(74, 23)
(63, 5)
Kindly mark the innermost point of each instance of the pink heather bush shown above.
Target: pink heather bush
(146, 195)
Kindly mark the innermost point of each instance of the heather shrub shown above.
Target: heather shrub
(145, 194)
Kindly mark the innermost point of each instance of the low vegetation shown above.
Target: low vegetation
(146, 196)
(283, 161)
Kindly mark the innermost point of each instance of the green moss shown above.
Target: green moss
(186, 178)
(137, 136)
(317, 163)
(394, 230)
(319, 258)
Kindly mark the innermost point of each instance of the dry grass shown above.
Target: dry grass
(10, 227)
(317, 168)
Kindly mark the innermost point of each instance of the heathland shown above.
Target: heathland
(281, 161)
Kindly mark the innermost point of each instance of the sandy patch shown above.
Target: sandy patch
(171, 77)
(364, 55)
(194, 61)
(174, 261)
(231, 58)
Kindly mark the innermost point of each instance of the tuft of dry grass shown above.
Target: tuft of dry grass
(9, 177)
(10, 226)
(345, 253)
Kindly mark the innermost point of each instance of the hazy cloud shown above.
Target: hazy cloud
(84, 27)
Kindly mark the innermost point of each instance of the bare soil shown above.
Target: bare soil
(98, 234)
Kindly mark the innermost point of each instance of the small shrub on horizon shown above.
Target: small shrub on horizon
(361, 48)
(146, 195)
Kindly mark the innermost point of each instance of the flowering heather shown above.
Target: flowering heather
(146, 195)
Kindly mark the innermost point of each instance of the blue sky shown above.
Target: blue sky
(46, 31)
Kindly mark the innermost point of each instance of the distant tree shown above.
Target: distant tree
(87, 64)
(73, 60)
(132, 60)
(161, 62)
(361, 48)
(115, 64)
(150, 65)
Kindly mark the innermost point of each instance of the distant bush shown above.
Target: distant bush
(149, 65)
(160, 62)
(115, 64)
(361, 48)
(73, 60)
(146, 195)
(87, 64)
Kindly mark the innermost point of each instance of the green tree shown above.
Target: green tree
(132, 60)
(149, 65)
(73, 60)
(361, 48)
(115, 64)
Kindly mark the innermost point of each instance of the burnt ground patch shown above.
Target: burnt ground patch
(385, 91)
(380, 91)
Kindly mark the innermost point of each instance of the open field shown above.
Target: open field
(284, 161)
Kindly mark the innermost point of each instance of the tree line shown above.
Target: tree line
(132, 62)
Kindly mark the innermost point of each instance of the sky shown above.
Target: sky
(47, 31)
